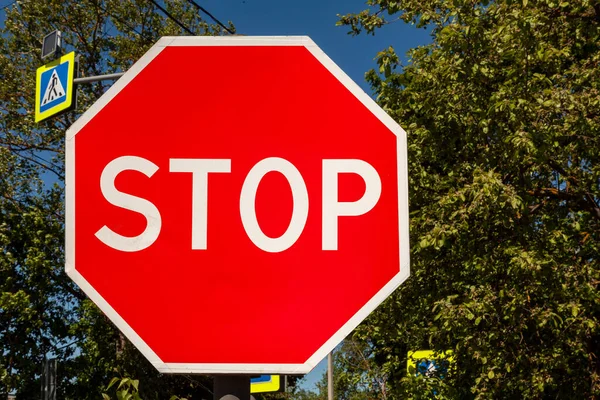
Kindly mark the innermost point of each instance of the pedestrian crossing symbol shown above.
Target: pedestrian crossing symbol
(54, 87)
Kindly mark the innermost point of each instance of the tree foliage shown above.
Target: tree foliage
(502, 112)
(42, 313)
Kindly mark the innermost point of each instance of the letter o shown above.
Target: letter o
(248, 202)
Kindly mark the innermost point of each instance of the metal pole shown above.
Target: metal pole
(97, 78)
(330, 376)
(231, 387)
(48, 379)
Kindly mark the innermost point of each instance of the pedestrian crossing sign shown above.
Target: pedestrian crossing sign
(429, 363)
(54, 87)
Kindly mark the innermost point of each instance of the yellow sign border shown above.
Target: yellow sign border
(274, 385)
(67, 58)
(414, 356)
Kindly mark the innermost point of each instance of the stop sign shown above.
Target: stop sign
(236, 204)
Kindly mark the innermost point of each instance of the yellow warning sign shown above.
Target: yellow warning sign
(54, 87)
(265, 383)
(429, 363)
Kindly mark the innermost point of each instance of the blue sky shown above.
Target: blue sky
(315, 18)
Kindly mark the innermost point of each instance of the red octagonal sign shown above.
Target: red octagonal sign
(236, 205)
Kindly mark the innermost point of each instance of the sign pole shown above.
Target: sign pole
(231, 387)
(330, 376)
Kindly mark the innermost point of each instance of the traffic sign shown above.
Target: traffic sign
(236, 204)
(429, 363)
(266, 384)
(54, 87)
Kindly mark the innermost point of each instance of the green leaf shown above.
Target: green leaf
(112, 382)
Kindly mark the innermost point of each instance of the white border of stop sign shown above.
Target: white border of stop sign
(232, 368)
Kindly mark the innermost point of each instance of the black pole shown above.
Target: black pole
(231, 387)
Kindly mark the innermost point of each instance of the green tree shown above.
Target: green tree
(356, 376)
(502, 112)
(42, 313)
